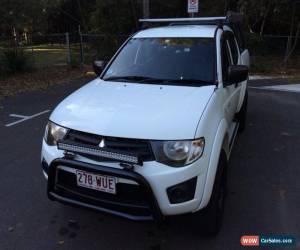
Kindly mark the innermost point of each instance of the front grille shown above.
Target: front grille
(129, 198)
(132, 147)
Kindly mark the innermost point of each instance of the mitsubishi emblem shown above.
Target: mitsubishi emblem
(102, 143)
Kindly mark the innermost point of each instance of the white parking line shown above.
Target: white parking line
(287, 88)
(24, 118)
(18, 116)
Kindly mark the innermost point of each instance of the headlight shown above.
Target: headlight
(178, 153)
(53, 133)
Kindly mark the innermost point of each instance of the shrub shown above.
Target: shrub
(74, 63)
(2, 66)
(16, 60)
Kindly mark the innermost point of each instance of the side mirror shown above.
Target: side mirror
(99, 66)
(236, 74)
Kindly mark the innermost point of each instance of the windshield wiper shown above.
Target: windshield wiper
(144, 79)
(191, 81)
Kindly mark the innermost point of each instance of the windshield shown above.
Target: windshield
(183, 61)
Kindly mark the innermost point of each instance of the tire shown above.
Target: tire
(212, 215)
(242, 115)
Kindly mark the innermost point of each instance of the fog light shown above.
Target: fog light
(182, 192)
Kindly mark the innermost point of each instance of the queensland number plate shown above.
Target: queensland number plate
(101, 183)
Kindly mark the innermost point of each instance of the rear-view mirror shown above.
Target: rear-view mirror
(236, 74)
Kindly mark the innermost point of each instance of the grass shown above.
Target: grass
(44, 56)
(50, 55)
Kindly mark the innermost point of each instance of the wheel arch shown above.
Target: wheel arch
(221, 144)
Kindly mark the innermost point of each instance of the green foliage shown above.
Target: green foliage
(270, 64)
(74, 62)
(105, 47)
(115, 20)
(16, 60)
(2, 68)
(114, 17)
(22, 15)
(257, 44)
(264, 65)
(121, 17)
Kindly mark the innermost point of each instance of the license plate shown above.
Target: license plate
(101, 183)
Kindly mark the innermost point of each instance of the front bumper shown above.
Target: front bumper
(155, 178)
(60, 192)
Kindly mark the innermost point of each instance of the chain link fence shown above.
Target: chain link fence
(61, 49)
(100, 47)
(267, 52)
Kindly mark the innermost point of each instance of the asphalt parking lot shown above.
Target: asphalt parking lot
(264, 187)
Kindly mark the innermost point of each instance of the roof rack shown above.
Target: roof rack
(171, 20)
(230, 18)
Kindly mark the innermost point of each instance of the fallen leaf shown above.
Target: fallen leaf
(73, 224)
(282, 193)
(71, 221)
(40, 79)
(61, 242)
(285, 134)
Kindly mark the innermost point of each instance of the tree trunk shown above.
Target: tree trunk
(225, 7)
(262, 27)
(82, 16)
(15, 38)
(293, 46)
(290, 39)
(146, 9)
(134, 15)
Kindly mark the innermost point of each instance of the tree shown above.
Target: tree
(292, 43)
(22, 16)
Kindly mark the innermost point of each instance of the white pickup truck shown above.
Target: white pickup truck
(152, 135)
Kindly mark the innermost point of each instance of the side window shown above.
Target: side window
(226, 59)
(233, 49)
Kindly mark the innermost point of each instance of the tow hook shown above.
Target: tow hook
(127, 166)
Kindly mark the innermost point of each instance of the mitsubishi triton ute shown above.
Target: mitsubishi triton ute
(151, 136)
